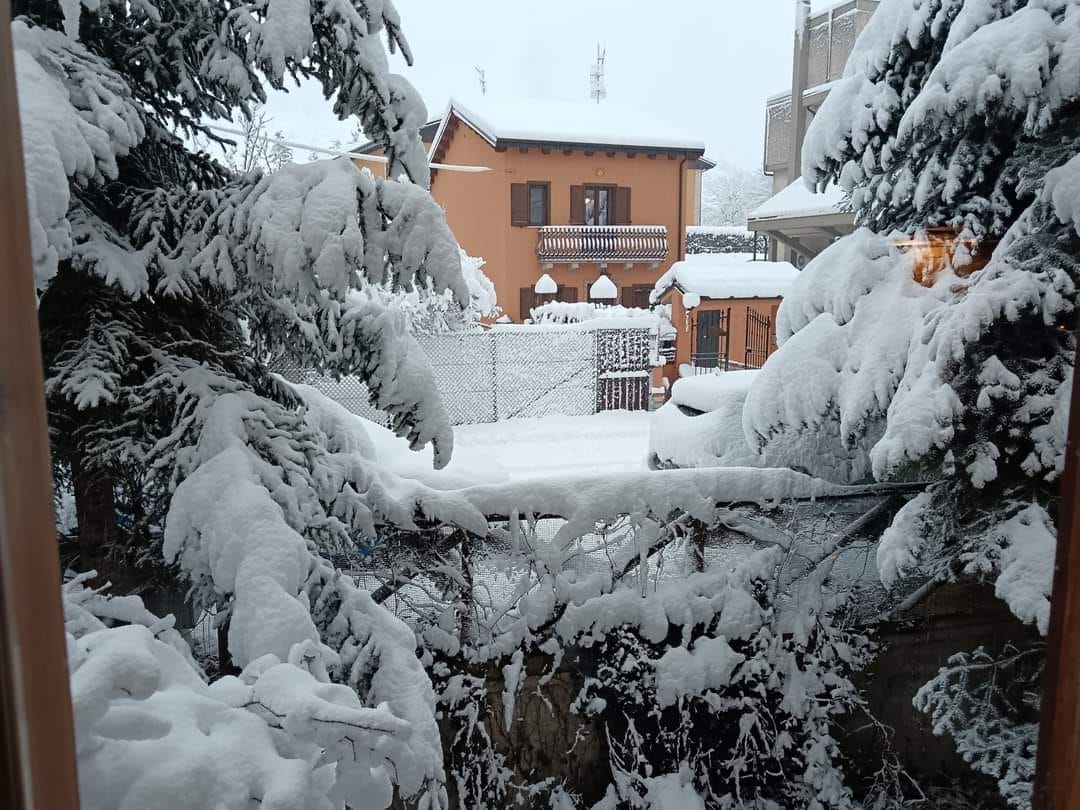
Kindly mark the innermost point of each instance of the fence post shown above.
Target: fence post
(492, 342)
(598, 386)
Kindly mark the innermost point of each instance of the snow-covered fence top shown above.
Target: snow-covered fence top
(719, 239)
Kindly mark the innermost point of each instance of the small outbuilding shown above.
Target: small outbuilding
(723, 309)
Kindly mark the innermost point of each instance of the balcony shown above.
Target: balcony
(576, 244)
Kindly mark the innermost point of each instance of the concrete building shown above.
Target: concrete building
(800, 224)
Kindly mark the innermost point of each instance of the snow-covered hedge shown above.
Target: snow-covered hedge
(719, 239)
(561, 312)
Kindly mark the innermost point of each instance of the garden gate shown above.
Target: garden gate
(623, 369)
(759, 338)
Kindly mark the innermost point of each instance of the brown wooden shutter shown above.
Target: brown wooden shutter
(627, 296)
(577, 205)
(519, 204)
(528, 301)
(568, 294)
(622, 205)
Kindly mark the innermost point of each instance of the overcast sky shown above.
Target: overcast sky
(708, 64)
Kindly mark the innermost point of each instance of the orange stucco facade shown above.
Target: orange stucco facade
(665, 191)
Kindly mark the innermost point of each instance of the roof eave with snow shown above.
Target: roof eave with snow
(503, 140)
(796, 201)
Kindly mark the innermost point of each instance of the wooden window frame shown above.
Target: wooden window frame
(546, 186)
(611, 190)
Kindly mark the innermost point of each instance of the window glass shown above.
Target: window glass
(538, 205)
(597, 205)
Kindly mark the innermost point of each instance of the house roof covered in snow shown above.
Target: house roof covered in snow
(726, 275)
(427, 135)
(503, 121)
(796, 200)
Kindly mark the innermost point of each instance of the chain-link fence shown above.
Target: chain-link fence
(505, 374)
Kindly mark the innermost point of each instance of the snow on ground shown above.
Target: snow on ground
(542, 447)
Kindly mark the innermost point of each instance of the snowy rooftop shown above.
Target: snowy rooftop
(569, 122)
(798, 201)
(727, 275)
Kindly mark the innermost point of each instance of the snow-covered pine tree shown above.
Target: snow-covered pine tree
(147, 253)
(165, 283)
(941, 335)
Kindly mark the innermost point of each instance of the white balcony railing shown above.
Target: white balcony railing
(602, 243)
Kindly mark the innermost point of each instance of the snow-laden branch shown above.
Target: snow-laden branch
(77, 118)
(277, 734)
(253, 484)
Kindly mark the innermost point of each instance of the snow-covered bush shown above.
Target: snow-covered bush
(430, 312)
(719, 239)
(557, 312)
(738, 710)
(723, 685)
(150, 732)
(937, 340)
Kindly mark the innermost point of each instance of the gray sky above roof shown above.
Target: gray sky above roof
(709, 64)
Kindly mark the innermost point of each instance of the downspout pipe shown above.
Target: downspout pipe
(680, 253)
(799, 77)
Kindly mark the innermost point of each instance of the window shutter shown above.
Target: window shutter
(528, 301)
(568, 294)
(627, 299)
(519, 204)
(622, 205)
(577, 205)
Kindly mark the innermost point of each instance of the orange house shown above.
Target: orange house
(572, 190)
(723, 309)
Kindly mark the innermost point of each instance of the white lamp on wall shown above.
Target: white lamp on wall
(545, 285)
(603, 289)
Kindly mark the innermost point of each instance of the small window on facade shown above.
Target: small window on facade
(597, 205)
(538, 204)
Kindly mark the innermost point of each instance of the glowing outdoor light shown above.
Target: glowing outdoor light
(937, 249)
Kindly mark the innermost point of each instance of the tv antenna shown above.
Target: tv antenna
(483, 80)
(597, 90)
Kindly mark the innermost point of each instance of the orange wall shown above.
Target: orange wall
(687, 327)
(478, 208)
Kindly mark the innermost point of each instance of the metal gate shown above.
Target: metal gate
(622, 369)
(712, 346)
(759, 338)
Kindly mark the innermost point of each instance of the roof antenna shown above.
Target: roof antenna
(597, 90)
(483, 80)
